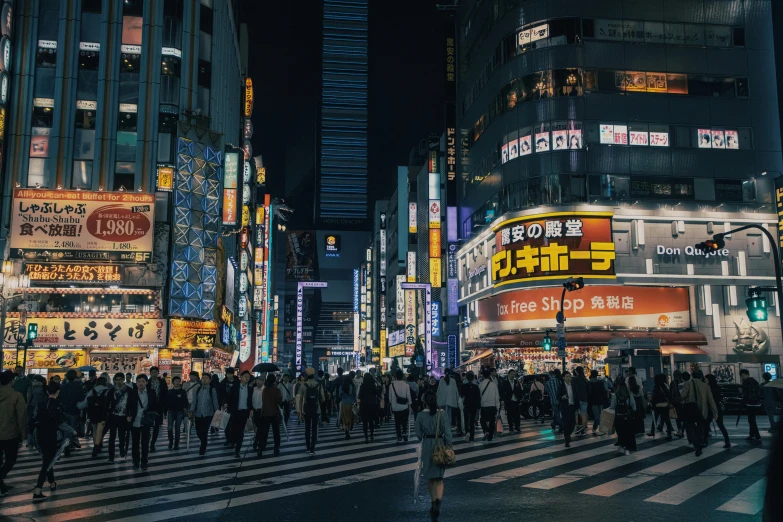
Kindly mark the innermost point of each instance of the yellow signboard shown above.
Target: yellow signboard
(435, 272)
(165, 179)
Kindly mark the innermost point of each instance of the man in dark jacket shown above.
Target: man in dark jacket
(240, 406)
(158, 385)
(146, 401)
(472, 403)
(772, 397)
(511, 395)
(22, 383)
(751, 396)
(581, 399)
(224, 392)
(121, 409)
(71, 394)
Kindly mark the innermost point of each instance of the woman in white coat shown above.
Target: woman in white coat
(448, 395)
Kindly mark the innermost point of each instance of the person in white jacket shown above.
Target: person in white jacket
(490, 403)
(400, 400)
(448, 395)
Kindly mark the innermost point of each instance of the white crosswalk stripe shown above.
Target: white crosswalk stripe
(180, 483)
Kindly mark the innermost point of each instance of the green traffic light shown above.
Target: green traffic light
(757, 309)
(547, 344)
(32, 331)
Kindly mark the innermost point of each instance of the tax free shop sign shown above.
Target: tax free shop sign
(607, 305)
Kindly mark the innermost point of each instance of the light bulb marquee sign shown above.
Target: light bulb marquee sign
(299, 310)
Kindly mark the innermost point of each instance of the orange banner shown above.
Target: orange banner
(434, 242)
(618, 306)
(553, 246)
(229, 206)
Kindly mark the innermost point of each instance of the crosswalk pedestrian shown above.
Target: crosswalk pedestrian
(183, 484)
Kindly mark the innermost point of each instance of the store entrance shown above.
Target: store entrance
(535, 361)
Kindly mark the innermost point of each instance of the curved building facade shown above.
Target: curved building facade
(652, 125)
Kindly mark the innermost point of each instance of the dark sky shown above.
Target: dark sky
(405, 82)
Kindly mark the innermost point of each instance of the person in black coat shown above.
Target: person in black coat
(581, 399)
(177, 402)
(121, 405)
(224, 388)
(471, 402)
(240, 406)
(368, 405)
(661, 401)
(158, 385)
(146, 402)
(511, 394)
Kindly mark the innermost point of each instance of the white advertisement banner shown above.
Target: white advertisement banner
(58, 225)
(62, 332)
(411, 269)
(244, 342)
(400, 299)
(434, 213)
(412, 218)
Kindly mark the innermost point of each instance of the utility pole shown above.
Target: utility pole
(571, 284)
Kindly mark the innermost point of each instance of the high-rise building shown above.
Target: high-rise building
(604, 140)
(342, 172)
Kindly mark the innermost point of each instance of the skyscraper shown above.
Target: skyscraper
(342, 177)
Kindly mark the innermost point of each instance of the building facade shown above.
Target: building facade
(649, 122)
(120, 115)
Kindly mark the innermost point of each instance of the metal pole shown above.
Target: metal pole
(562, 298)
(775, 255)
(2, 329)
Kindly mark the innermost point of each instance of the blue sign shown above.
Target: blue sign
(453, 295)
(225, 335)
(561, 343)
(355, 290)
(436, 319)
(453, 351)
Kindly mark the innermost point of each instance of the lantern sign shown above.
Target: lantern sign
(248, 97)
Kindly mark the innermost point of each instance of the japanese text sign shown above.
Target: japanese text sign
(601, 305)
(48, 359)
(49, 273)
(552, 246)
(192, 334)
(67, 332)
(69, 224)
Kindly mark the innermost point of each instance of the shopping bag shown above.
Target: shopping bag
(249, 426)
(672, 413)
(498, 425)
(607, 422)
(224, 420)
(216, 418)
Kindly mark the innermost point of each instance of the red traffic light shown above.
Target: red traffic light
(712, 245)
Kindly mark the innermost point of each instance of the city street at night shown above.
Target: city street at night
(526, 475)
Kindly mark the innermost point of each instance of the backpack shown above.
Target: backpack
(96, 405)
(311, 397)
(622, 408)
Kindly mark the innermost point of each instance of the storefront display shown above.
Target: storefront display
(56, 360)
(134, 362)
(60, 332)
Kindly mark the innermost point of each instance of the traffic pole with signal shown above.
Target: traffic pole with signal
(571, 284)
(754, 301)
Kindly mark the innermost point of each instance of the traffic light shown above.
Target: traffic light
(32, 331)
(712, 245)
(757, 306)
(547, 343)
(574, 283)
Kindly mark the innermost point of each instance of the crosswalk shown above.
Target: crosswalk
(180, 484)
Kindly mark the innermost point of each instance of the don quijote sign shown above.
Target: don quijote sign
(689, 251)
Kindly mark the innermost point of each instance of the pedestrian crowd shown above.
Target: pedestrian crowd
(52, 415)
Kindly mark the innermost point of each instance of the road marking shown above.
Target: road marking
(749, 502)
(640, 477)
(607, 465)
(676, 495)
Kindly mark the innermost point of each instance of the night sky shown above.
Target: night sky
(405, 89)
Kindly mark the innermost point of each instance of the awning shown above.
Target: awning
(586, 338)
(685, 353)
(485, 353)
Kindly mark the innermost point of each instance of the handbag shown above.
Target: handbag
(148, 418)
(498, 425)
(400, 400)
(672, 412)
(442, 455)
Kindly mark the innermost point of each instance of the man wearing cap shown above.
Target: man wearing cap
(240, 406)
(312, 396)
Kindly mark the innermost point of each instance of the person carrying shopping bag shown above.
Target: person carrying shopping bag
(434, 432)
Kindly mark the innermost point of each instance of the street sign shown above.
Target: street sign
(419, 361)
(561, 347)
(560, 329)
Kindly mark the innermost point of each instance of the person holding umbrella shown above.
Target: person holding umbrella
(49, 415)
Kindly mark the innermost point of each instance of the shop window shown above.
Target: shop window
(132, 8)
(84, 144)
(206, 19)
(204, 74)
(91, 27)
(129, 63)
(87, 85)
(165, 147)
(124, 181)
(44, 83)
(85, 119)
(614, 187)
(205, 47)
(39, 172)
(126, 146)
(46, 55)
(127, 118)
(169, 89)
(203, 100)
(82, 175)
(735, 190)
(567, 82)
(129, 88)
(42, 116)
(89, 56)
(172, 31)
